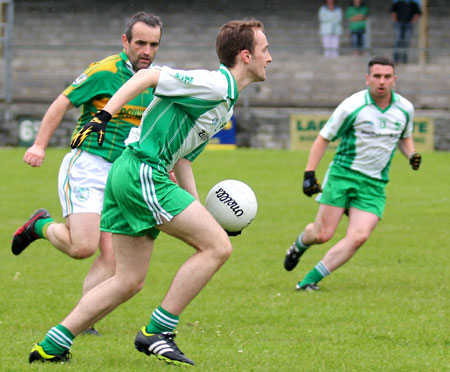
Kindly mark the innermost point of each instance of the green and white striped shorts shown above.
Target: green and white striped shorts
(138, 197)
(347, 188)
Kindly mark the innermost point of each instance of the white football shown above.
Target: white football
(233, 204)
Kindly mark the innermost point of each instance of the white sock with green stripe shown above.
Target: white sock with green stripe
(319, 272)
(322, 269)
(162, 321)
(301, 247)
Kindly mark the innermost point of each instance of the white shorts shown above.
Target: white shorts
(81, 182)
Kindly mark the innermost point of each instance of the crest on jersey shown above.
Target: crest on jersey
(382, 122)
(81, 193)
(80, 79)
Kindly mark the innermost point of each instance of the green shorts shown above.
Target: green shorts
(138, 197)
(347, 188)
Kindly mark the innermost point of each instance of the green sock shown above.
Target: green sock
(301, 247)
(162, 321)
(40, 227)
(58, 340)
(319, 272)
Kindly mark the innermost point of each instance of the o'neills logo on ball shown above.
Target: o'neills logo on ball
(226, 199)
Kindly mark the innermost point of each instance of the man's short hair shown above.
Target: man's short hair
(380, 60)
(148, 18)
(235, 36)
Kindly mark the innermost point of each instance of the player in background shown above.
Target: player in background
(83, 172)
(370, 124)
(140, 201)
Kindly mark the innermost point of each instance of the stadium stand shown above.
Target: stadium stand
(55, 40)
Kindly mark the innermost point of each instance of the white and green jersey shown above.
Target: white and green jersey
(369, 135)
(189, 108)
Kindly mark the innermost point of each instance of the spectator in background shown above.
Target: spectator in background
(330, 19)
(357, 14)
(404, 14)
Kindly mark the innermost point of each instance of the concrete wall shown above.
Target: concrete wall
(270, 127)
(56, 40)
(258, 127)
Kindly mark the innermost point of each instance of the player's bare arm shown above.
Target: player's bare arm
(310, 184)
(406, 146)
(142, 80)
(35, 155)
(316, 153)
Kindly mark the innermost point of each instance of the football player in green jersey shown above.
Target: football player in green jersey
(84, 171)
(188, 109)
(370, 125)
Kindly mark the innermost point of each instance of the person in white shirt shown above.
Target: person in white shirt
(330, 19)
(189, 107)
(370, 124)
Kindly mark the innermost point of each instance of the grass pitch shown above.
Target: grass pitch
(385, 310)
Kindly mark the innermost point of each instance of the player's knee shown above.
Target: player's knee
(322, 236)
(358, 239)
(135, 286)
(81, 251)
(226, 251)
(131, 285)
(222, 249)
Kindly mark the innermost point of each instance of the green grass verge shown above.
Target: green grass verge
(385, 310)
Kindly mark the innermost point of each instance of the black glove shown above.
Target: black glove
(233, 233)
(310, 184)
(97, 124)
(414, 160)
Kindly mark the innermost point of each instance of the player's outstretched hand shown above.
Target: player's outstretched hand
(97, 125)
(414, 160)
(310, 184)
